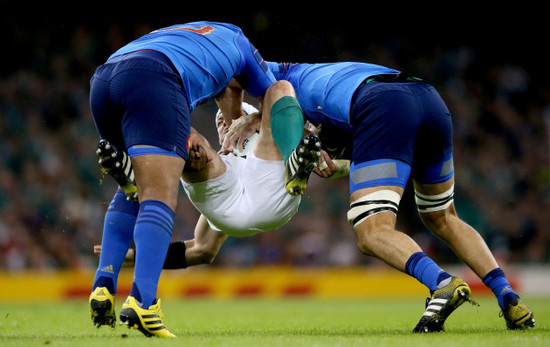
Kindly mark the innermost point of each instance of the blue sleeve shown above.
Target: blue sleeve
(255, 76)
(279, 70)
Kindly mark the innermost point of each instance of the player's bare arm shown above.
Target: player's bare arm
(230, 100)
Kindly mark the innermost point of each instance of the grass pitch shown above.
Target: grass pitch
(288, 323)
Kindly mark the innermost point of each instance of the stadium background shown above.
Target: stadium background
(489, 67)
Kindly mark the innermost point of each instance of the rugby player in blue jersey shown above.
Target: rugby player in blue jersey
(141, 99)
(400, 128)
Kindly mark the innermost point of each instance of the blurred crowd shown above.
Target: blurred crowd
(53, 196)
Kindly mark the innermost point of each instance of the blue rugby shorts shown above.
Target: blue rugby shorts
(138, 99)
(400, 130)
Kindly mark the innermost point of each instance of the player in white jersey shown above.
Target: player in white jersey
(237, 196)
(249, 197)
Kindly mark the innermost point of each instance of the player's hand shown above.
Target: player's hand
(240, 130)
(197, 159)
(326, 167)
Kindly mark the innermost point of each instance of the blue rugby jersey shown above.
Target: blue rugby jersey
(207, 55)
(325, 91)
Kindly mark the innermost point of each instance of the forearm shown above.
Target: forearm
(175, 257)
(332, 168)
(230, 103)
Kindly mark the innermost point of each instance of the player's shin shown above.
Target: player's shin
(152, 235)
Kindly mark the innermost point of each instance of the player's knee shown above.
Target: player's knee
(281, 88)
(363, 244)
(435, 221)
(369, 217)
(435, 210)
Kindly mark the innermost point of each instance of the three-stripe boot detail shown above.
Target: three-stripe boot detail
(301, 163)
(149, 321)
(441, 304)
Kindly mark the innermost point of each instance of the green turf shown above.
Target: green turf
(286, 323)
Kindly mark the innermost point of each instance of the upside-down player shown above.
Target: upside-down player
(237, 196)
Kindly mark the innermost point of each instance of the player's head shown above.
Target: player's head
(221, 126)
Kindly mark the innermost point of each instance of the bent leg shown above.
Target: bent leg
(373, 212)
(470, 247)
(377, 236)
(282, 125)
(465, 241)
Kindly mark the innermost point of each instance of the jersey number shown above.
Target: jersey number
(203, 30)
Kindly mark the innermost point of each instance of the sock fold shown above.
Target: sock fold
(498, 283)
(425, 270)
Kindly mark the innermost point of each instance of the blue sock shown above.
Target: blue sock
(118, 233)
(152, 236)
(425, 270)
(496, 280)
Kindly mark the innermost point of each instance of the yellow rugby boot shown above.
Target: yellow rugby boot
(102, 307)
(518, 316)
(148, 321)
(441, 304)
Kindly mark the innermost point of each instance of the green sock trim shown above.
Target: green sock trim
(287, 124)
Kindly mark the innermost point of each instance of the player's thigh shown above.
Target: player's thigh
(385, 119)
(157, 177)
(433, 154)
(156, 111)
(107, 114)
